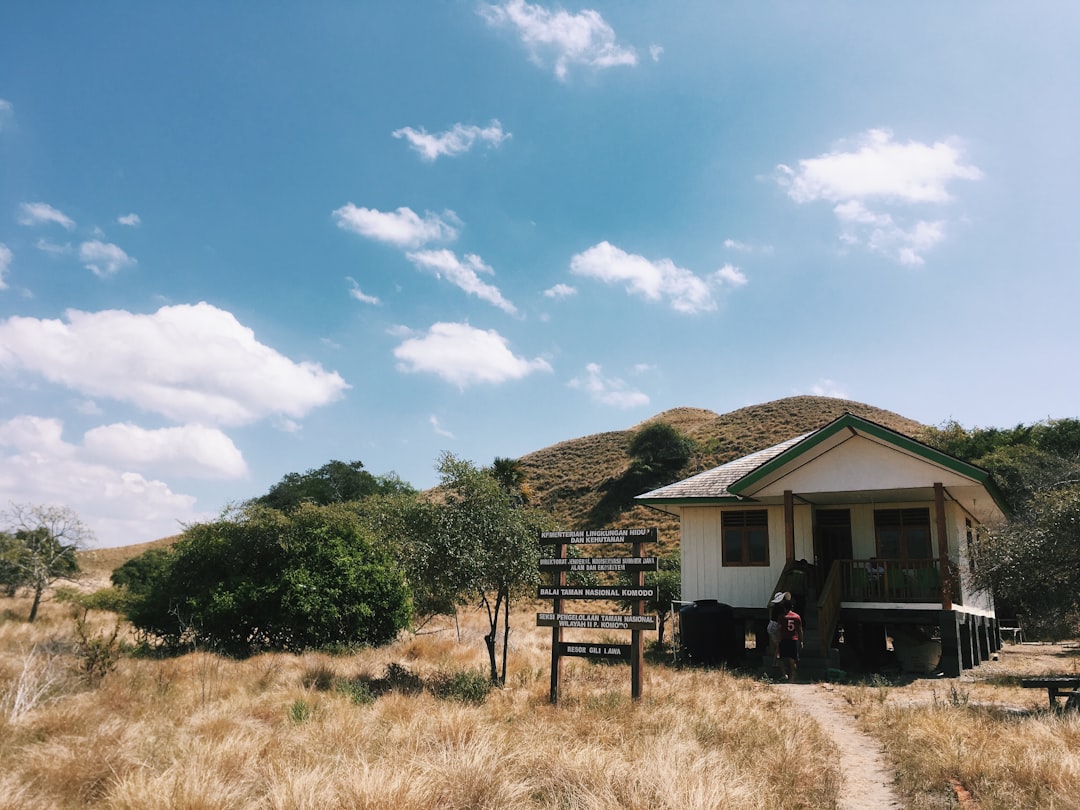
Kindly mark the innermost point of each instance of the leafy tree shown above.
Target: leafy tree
(261, 579)
(11, 575)
(659, 450)
(334, 482)
(40, 548)
(974, 443)
(139, 574)
(508, 472)
(1060, 437)
(479, 544)
(1023, 470)
(403, 522)
(668, 583)
(1029, 563)
(1033, 561)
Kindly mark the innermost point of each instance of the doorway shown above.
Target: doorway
(832, 540)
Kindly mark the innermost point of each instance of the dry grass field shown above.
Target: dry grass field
(285, 731)
(984, 732)
(371, 729)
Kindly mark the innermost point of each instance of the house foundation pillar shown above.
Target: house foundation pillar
(967, 641)
(984, 639)
(950, 663)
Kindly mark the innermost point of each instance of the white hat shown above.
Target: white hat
(778, 598)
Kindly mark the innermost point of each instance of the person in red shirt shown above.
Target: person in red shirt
(791, 641)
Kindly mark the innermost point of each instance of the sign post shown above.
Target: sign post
(636, 593)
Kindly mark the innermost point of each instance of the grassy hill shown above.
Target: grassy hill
(569, 478)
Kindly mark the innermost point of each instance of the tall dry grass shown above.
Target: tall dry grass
(1000, 742)
(200, 732)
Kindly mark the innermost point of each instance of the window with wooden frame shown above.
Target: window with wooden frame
(903, 534)
(745, 537)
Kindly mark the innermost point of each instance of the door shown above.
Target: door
(832, 540)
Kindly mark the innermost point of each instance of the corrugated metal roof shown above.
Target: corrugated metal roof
(714, 483)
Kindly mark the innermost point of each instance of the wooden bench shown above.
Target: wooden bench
(1066, 686)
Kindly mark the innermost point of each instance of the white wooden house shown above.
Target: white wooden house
(886, 523)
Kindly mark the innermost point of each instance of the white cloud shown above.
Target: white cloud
(560, 291)
(119, 506)
(881, 234)
(455, 141)
(608, 390)
(572, 39)
(828, 388)
(358, 294)
(131, 220)
(189, 450)
(103, 258)
(7, 114)
(463, 355)
(191, 363)
(403, 227)
(876, 167)
(39, 213)
(6, 257)
(868, 179)
(438, 428)
(462, 274)
(654, 280)
(53, 248)
(745, 247)
(730, 275)
(656, 51)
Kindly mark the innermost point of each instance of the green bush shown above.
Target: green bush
(300, 711)
(464, 686)
(358, 690)
(265, 580)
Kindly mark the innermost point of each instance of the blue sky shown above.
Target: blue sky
(241, 239)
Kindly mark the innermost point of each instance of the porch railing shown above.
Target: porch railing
(883, 580)
(829, 607)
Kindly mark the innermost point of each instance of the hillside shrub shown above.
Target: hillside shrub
(96, 654)
(464, 686)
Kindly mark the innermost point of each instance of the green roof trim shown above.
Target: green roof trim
(850, 421)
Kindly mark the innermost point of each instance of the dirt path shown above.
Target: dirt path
(868, 783)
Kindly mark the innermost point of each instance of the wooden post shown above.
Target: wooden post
(789, 526)
(556, 631)
(943, 546)
(637, 657)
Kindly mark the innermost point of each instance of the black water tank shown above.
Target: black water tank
(709, 634)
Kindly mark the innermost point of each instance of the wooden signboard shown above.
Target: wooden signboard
(636, 593)
(617, 652)
(599, 564)
(595, 621)
(621, 593)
